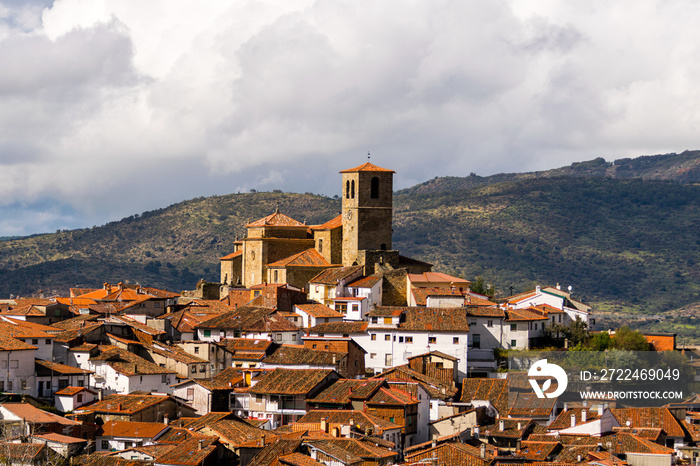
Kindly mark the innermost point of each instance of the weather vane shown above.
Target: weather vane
(368, 156)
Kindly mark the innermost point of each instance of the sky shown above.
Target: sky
(114, 107)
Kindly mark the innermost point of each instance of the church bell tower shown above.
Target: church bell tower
(367, 211)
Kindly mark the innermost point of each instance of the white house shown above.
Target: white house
(119, 435)
(71, 398)
(555, 298)
(397, 333)
(315, 313)
(17, 366)
(331, 283)
(118, 371)
(369, 287)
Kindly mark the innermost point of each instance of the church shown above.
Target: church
(280, 250)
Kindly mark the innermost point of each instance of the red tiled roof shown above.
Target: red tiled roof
(318, 310)
(276, 220)
(35, 415)
(365, 282)
(131, 429)
(367, 167)
(519, 315)
(334, 275)
(309, 258)
(58, 438)
(427, 319)
(232, 255)
(126, 404)
(70, 391)
(437, 277)
(337, 222)
(46, 367)
(290, 381)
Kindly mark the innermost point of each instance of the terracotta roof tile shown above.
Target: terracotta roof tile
(334, 275)
(295, 355)
(339, 327)
(290, 381)
(493, 390)
(367, 167)
(126, 404)
(332, 224)
(308, 258)
(318, 310)
(192, 451)
(131, 429)
(44, 368)
(276, 220)
(343, 391)
(365, 282)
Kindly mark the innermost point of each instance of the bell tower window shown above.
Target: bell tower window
(352, 189)
(374, 188)
(347, 189)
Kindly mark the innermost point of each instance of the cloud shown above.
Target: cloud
(137, 105)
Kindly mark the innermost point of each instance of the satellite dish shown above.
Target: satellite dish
(570, 288)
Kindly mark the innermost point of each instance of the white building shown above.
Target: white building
(119, 435)
(555, 298)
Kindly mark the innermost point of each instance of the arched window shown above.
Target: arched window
(374, 188)
(347, 189)
(320, 245)
(276, 277)
(352, 189)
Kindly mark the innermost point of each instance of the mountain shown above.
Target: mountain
(623, 234)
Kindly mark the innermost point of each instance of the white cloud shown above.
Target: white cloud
(153, 102)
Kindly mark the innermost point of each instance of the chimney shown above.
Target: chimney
(573, 420)
(201, 443)
(324, 425)
(482, 450)
(520, 425)
(99, 394)
(518, 445)
(476, 432)
(601, 408)
(262, 440)
(501, 425)
(584, 415)
(578, 458)
(433, 444)
(165, 419)
(566, 407)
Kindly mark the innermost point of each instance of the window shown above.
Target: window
(279, 337)
(313, 346)
(372, 355)
(207, 333)
(203, 368)
(9, 385)
(513, 327)
(128, 444)
(276, 279)
(105, 445)
(35, 341)
(409, 339)
(2, 385)
(48, 341)
(190, 394)
(373, 336)
(341, 307)
(400, 339)
(23, 384)
(352, 189)
(320, 245)
(512, 343)
(432, 340)
(14, 364)
(57, 313)
(387, 320)
(374, 188)
(196, 350)
(374, 320)
(194, 368)
(489, 323)
(455, 340)
(80, 398)
(535, 325)
(476, 340)
(81, 383)
(62, 383)
(387, 359)
(164, 378)
(347, 189)
(387, 337)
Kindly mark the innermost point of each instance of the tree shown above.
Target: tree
(629, 340)
(479, 286)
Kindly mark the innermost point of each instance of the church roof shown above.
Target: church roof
(337, 222)
(276, 220)
(367, 167)
(309, 258)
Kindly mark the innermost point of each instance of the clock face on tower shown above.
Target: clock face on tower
(348, 214)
